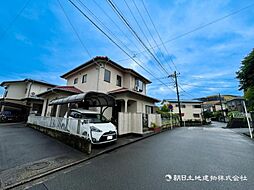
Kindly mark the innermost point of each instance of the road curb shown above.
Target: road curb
(81, 161)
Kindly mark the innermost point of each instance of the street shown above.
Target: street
(195, 151)
(25, 152)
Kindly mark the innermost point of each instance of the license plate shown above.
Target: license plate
(109, 137)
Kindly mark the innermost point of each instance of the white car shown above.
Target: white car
(94, 126)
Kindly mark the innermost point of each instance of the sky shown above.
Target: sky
(38, 42)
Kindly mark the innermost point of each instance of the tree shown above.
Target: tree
(164, 108)
(246, 72)
(249, 95)
(246, 79)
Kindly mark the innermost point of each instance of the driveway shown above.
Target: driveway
(25, 152)
(212, 156)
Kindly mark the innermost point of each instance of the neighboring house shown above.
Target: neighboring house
(236, 104)
(53, 93)
(101, 74)
(21, 95)
(190, 109)
(213, 103)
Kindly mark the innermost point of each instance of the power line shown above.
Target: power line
(151, 33)
(14, 19)
(73, 28)
(140, 28)
(186, 92)
(119, 28)
(207, 86)
(155, 28)
(115, 9)
(116, 25)
(98, 20)
(94, 24)
(204, 25)
(147, 28)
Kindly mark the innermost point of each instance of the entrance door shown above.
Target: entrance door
(115, 112)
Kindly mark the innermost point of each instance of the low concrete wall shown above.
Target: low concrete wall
(75, 141)
(130, 123)
(154, 118)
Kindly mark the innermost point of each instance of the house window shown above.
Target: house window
(75, 81)
(118, 80)
(84, 78)
(182, 105)
(196, 106)
(149, 109)
(107, 74)
(5, 93)
(196, 115)
(138, 85)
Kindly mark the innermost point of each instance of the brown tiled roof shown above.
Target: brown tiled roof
(70, 89)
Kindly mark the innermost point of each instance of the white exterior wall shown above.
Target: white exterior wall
(218, 107)
(188, 111)
(139, 106)
(90, 85)
(37, 88)
(21, 90)
(128, 80)
(16, 90)
(106, 86)
(48, 99)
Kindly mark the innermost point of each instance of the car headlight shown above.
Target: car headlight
(94, 129)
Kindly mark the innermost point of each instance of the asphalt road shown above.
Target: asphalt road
(183, 151)
(21, 145)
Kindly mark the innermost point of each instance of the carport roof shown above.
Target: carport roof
(90, 99)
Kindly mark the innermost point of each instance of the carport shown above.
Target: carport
(84, 100)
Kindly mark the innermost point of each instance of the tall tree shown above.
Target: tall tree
(246, 72)
(246, 78)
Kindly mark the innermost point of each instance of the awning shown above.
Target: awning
(90, 99)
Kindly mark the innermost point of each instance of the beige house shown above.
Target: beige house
(56, 93)
(214, 103)
(21, 95)
(190, 109)
(101, 74)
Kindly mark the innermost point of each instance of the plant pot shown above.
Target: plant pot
(156, 130)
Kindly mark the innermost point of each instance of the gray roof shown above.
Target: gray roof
(27, 80)
(182, 101)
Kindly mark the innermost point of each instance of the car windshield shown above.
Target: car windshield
(95, 118)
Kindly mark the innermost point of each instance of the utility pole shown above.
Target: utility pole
(178, 97)
(224, 119)
(247, 117)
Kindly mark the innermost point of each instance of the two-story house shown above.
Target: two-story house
(190, 109)
(21, 95)
(101, 74)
